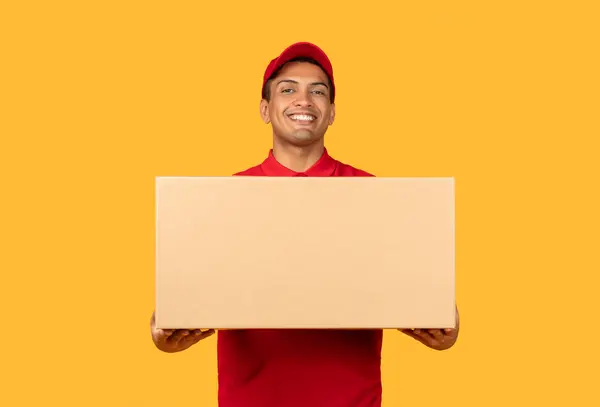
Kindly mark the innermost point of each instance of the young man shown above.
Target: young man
(299, 368)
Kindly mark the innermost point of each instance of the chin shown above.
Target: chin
(305, 136)
(300, 138)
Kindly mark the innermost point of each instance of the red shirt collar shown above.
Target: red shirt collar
(324, 167)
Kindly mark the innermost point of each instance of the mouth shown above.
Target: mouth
(303, 118)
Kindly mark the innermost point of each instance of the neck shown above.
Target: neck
(297, 158)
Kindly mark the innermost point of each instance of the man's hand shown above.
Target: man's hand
(438, 339)
(176, 340)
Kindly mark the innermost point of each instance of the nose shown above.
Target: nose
(303, 99)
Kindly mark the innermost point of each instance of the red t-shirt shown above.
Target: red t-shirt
(300, 368)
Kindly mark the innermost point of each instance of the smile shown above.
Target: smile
(305, 118)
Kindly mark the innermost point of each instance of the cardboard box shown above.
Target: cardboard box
(305, 252)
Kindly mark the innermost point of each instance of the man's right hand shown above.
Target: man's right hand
(176, 340)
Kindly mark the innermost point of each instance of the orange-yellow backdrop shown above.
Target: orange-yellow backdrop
(99, 97)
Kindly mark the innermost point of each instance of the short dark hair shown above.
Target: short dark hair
(266, 91)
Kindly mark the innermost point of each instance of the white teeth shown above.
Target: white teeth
(303, 117)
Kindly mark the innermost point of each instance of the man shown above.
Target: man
(289, 368)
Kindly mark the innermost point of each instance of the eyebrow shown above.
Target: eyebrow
(320, 83)
(296, 82)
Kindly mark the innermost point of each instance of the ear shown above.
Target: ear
(264, 111)
(332, 114)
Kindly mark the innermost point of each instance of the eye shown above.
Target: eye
(287, 90)
(319, 92)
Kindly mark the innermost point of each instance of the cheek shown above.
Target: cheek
(327, 115)
(277, 111)
(278, 117)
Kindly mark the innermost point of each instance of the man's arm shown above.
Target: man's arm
(438, 339)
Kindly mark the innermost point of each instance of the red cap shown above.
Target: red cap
(301, 49)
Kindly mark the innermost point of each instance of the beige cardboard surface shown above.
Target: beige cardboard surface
(305, 252)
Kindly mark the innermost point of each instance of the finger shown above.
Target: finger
(199, 334)
(196, 336)
(438, 337)
(419, 334)
(163, 334)
(426, 337)
(424, 333)
(178, 335)
(450, 332)
(436, 334)
(413, 332)
(207, 333)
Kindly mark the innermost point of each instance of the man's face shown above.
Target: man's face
(299, 110)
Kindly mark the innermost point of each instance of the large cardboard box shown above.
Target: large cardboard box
(305, 252)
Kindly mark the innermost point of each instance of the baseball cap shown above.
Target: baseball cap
(297, 50)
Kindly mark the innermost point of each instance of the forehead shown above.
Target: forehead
(302, 71)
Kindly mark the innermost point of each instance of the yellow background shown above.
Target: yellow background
(99, 97)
